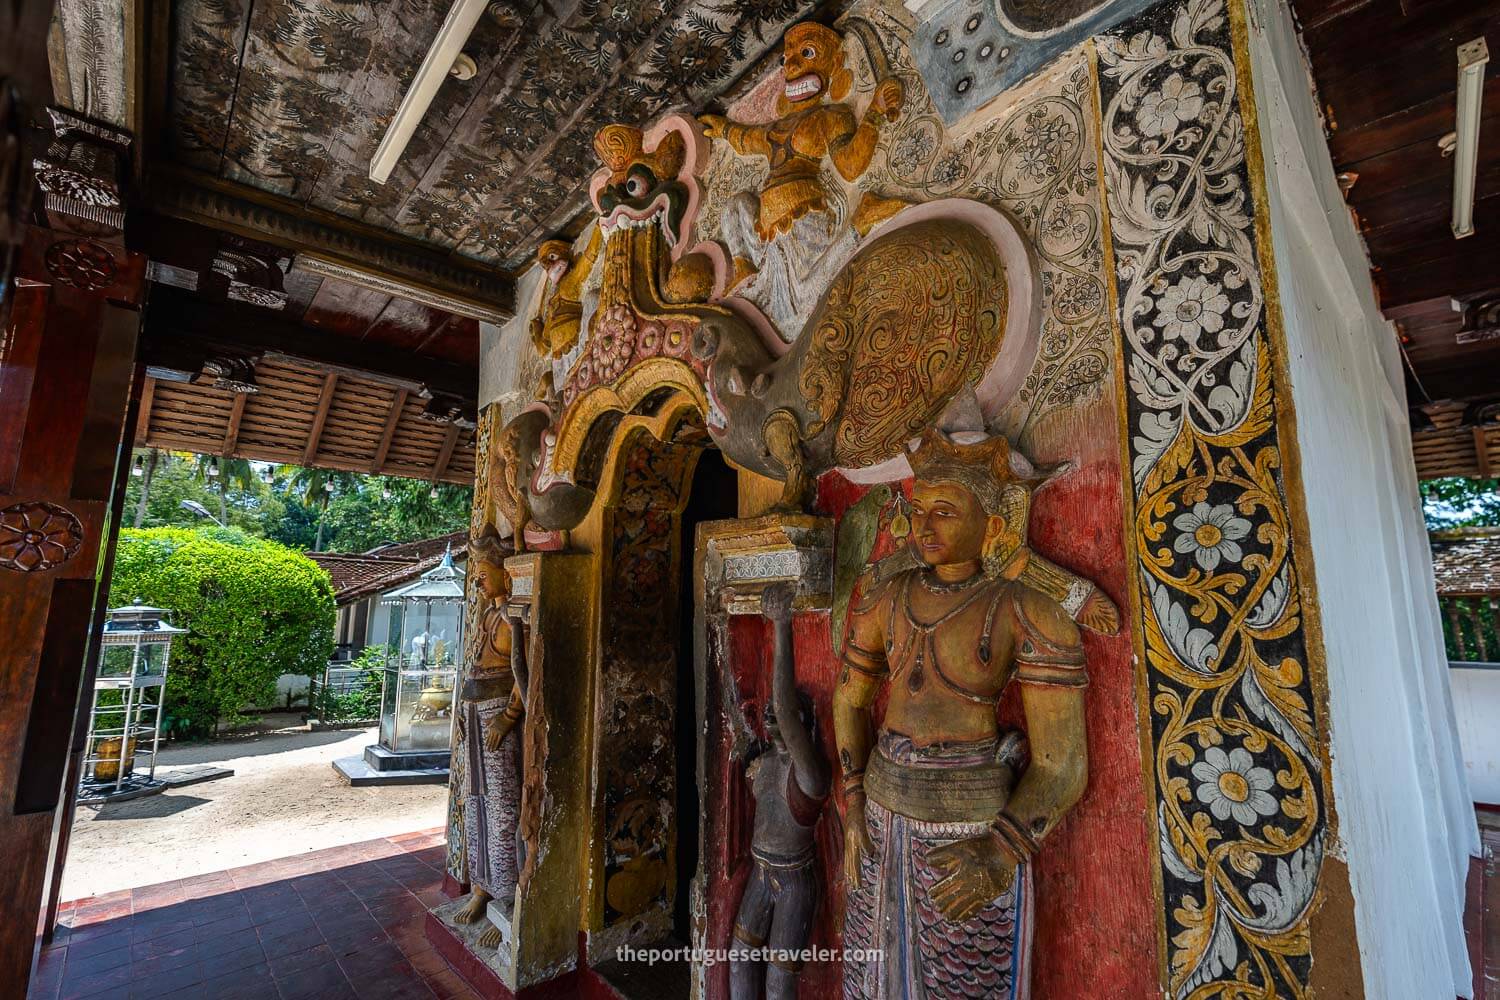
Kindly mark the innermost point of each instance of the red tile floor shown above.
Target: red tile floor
(327, 925)
(347, 924)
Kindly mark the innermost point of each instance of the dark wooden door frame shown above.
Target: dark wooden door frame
(65, 381)
(62, 828)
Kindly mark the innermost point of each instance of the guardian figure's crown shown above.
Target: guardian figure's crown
(984, 468)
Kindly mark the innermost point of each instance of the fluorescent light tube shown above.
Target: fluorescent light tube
(446, 48)
(1472, 58)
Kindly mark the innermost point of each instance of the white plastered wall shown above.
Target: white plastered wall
(1476, 696)
(507, 365)
(1406, 827)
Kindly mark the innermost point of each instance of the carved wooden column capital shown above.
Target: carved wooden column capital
(79, 176)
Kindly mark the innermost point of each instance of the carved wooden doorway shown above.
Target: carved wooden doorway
(648, 729)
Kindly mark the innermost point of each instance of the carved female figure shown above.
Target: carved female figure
(942, 817)
(491, 706)
(790, 783)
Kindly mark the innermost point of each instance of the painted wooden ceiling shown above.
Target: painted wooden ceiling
(1385, 72)
(293, 96)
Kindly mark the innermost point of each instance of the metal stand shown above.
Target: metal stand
(125, 715)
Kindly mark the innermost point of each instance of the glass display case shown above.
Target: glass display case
(426, 641)
(416, 709)
(125, 717)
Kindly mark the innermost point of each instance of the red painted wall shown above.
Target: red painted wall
(1096, 919)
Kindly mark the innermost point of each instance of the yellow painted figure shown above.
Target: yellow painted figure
(944, 811)
(809, 128)
(491, 707)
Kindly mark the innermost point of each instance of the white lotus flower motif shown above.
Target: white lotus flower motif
(1211, 533)
(1232, 786)
(1178, 102)
(1190, 308)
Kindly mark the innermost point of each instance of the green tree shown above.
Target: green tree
(317, 487)
(222, 475)
(177, 477)
(385, 509)
(254, 610)
(1460, 502)
(304, 509)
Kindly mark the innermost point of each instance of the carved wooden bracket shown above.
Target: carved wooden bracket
(231, 373)
(1481, 318)
(443, 408)
(221, 367)
(248, 271)
(79, 176)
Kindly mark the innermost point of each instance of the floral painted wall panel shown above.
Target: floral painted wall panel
(1231, 677)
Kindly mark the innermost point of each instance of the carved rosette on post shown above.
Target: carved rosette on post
(38, 536)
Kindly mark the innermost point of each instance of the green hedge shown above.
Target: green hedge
(254, 610)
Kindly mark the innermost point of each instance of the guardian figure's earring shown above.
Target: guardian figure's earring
(999, 543)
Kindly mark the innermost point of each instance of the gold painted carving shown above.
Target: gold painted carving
(893, 347)
(633, 387)
(555, 327)
(809, 130)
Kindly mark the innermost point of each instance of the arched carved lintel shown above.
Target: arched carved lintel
(634, 388)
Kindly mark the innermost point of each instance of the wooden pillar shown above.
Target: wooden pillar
(65, 381)
(555, 592)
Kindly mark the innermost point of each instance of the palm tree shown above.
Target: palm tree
(223, 472)
(317, 486)
(147, 473)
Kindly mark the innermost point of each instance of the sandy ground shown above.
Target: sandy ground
(283, 799)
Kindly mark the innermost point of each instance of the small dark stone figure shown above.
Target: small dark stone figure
(790, 783)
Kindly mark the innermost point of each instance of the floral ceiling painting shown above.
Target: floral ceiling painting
(501, 160)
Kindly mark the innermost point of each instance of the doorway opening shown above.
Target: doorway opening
(713, 496)
(281, 586)
(649, 743)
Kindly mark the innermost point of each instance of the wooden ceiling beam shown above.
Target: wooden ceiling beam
(392, 419)
(179, 326)
(143, 422)
(325, 403)
(1470, 271)
(345, 248)
(445, 455)
(236, 416)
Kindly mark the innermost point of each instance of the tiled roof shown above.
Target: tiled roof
(1467, 561)
(357, 575)
(425, 548)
